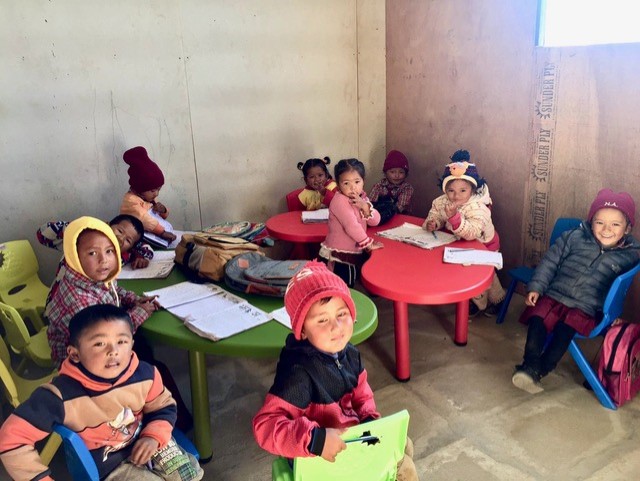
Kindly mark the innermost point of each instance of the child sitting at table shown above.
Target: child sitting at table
(145, 181)
(127, 229)
(350, 212)
(392, 195)
(319, 188)
(115, 402)
(464, 210)
(320, 387)
(569, 286)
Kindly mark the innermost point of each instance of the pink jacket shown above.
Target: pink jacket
(347, 227)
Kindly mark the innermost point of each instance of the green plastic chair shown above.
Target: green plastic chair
(32, 348)
(17, 389)
(20, 286)
(361, 460)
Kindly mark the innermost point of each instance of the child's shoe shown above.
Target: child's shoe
(474, 310)
(493, 309)
(526, 380)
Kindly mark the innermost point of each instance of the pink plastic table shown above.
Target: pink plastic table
(288, 226)
(410, 275)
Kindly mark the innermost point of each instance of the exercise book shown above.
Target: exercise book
(417, 236)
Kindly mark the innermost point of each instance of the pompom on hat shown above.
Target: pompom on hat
(396, 160)
(622, 201)
(144, 173)
(313, 283)
(461, 168)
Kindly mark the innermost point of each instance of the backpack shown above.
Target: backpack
(205, 255)
(619, 362)
(253, 273)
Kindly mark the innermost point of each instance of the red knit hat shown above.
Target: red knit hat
(144, 173)
(313, 283)
(622, 201)
(396, 160)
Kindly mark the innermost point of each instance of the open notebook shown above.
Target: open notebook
(159, 267)
(417, 236)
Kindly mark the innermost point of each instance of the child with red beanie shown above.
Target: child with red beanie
(569, 286)
(321, 387)
(145, 181)
(393, 193)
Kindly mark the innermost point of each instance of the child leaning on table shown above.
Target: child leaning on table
(145, 181)
(321, 387)
(127, 229)
(464, 209)
(569, 286)
(350, 213)
(319, 188)
(392, 195)
(116, 403)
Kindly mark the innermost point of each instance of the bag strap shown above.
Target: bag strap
(614, 347)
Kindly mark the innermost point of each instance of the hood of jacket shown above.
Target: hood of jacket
(70, 241)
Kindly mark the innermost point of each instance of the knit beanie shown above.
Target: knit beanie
(144, 173)
(622, 201)
(396, 160)
(461, 170)
(313, 283)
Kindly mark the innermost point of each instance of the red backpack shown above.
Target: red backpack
(619, 362)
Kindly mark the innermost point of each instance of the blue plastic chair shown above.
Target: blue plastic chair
(524, 273)
(613, 306)
(81, 465)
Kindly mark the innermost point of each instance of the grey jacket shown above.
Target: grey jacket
(578, 272)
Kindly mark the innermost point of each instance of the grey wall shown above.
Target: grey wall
(227, 96)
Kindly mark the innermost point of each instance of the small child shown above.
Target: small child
(116, 403)
(464, 210)
(127, 229)
(319, 188)
(87, 276)
(392, 195)
(350, 212)
(569, 286)
(321, 385)
(145, 181)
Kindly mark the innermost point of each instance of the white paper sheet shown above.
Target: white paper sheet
(183, 292)
(416, 235)
(226, 323)
(281, 316)
(159, 267)
(454, 255)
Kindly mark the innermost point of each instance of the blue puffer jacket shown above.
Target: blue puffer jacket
(578, 272)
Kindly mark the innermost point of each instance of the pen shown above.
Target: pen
(434, 234)
(364, 439)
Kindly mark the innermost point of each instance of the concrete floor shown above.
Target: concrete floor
(467, 420)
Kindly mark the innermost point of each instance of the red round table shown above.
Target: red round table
(288, 226)
(410, 275)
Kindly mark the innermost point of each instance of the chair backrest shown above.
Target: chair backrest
(563, 224)
(7, 376)
(614, 302)
(81, 464)
(15, 329)
(373, 462)
(17, 264)
(293, 203)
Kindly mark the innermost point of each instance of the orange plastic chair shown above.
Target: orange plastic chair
(20, 286)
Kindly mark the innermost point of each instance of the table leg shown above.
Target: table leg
(462, 323)
(200, 401)
(401, 328)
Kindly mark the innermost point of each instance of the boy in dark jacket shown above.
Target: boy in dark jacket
(569, 286)
(321, 385)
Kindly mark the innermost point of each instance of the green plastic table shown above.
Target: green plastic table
(265, 340)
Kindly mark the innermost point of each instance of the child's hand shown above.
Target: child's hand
(430, 225)
(532, 298)
(139, 263)
(168, 236)
(149, 304)
(333, 444)
(375, 245)
(159, 208)
(143, 449)
(450, 210)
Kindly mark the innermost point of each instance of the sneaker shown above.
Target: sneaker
(525, 381)
(493, 309)
(473, 310)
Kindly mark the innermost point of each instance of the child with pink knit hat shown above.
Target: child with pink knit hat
(321, 386)
(569, 286)
(145, 181)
